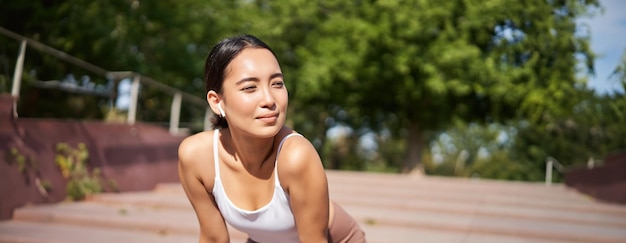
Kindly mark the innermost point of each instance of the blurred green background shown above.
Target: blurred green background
(472, 88)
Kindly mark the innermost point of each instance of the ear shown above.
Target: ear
(213, 99)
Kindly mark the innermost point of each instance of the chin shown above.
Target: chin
(265, 131)
(269, 131)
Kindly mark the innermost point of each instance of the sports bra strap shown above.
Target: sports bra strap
(280, 146)
(283, 141)
(216, 160)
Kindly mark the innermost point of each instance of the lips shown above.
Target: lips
(272, 117)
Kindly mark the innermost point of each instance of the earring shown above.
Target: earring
(219, 107)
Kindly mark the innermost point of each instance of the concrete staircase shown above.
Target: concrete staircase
(390, 208)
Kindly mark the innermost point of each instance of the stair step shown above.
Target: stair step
(159, 200)
(390, 208)
(380, 233)
(460, 209)
(151, 219)
(461, 188)
(535, 229)
(31, 232)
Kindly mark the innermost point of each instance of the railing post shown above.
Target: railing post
(175, 113)
(134, 96)
(19, 68)
(460, 161)
(548, 172)
(591, 163)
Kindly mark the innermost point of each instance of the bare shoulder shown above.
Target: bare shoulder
(297, 153)
(298, 159)
(194, 144)
(195, 153)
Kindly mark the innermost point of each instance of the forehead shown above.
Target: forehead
(253, 62)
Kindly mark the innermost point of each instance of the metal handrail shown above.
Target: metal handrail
(54, 52)
(552, 163)
(178, 95)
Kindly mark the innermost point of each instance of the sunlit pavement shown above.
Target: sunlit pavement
(390, 208)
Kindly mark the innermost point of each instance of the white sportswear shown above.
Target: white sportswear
(273, 222)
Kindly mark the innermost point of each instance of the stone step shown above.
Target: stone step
(461, 188)
(452, 185)
(36, 232)
(380, 233)
(143, 224)
(518, 227)
(161, 200)
(42, 232)
(390, 208)
(442, 189)
(119, 217)
(460, 209)
(435, 194)
(457, 217)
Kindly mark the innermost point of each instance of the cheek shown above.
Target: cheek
(283, 98)
(243, 104)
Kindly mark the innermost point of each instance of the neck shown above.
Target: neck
(252, 152)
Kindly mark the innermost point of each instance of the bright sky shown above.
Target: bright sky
(608, 41)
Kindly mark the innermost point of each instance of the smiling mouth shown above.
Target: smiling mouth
(268, 118)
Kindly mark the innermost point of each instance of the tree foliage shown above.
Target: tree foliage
(426, 64)
(166, 40)
(591, 130)
(403, 71)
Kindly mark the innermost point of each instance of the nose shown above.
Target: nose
(267, 100)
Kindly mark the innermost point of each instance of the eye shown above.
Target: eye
(278, 84)
(249, 88)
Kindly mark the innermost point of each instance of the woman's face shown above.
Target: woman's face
(254, 96)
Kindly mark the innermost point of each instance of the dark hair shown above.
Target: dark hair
(218, 60)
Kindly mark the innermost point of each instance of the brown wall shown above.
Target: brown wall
(606, 182)
(136, 157)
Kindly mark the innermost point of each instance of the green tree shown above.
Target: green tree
(428, 63)
(592, 129)
(461, 145)
(166, 40)
(407, 68)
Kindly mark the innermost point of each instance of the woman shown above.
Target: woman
(251, 171)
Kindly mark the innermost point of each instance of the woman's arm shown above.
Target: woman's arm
(191, 155)
(302, 174)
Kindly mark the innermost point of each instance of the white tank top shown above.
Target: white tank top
(273, 222)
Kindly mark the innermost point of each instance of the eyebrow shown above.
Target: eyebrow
(273, 76)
